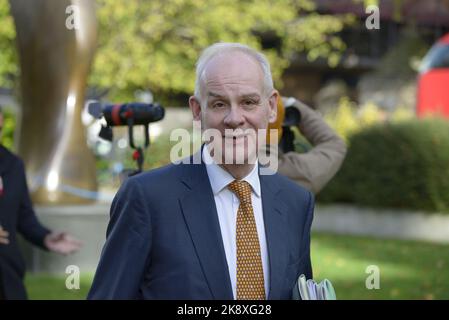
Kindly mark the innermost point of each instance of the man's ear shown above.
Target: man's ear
(195, 106)
(273, 104)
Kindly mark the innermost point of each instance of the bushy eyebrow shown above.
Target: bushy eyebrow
(245, 96)
(211, 97)
(215, 95)
(251, 96)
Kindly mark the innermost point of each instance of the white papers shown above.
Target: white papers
(310, 290)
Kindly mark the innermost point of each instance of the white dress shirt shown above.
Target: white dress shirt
(227, 204)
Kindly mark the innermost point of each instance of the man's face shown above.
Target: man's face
(234, 103)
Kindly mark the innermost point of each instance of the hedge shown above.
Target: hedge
(396, 165)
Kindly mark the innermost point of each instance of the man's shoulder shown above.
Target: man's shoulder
(285, 183)
(165, 175)
(8, 159)
(163, 172)
(7, 154)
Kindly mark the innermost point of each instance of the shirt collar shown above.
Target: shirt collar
(220, 178)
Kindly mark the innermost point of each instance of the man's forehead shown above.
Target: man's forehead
(232, 56)
(243, 94)
(237, 65)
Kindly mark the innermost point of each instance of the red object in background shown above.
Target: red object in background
(136, 155)
(433, 81)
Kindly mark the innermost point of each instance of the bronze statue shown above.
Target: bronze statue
(56, 40)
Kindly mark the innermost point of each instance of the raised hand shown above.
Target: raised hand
(4, 236)
(62, 243)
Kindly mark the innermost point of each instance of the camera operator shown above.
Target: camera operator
(313, 169)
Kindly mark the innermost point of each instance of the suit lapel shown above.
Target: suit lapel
(200, 214)
(275, 219)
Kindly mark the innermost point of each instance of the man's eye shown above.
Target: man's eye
(218, 105)
(249, 102)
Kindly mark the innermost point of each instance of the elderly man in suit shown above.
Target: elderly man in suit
(217, 229)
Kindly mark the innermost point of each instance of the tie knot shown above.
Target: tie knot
(242, 190)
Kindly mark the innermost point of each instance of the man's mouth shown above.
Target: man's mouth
(234, 136)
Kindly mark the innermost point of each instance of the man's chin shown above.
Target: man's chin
(238, 155)
(233, 153)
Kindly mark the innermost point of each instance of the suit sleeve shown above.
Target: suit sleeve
(126, 252)
(27, 223)
(314, 169)
(306, 233)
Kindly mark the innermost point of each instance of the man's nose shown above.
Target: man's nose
(234, 118)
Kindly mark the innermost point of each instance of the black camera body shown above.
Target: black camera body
(292, 118)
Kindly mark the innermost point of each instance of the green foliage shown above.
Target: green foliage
(348, 118)
(154, 44)
(9, 124)
(397, 165)
(8, 56)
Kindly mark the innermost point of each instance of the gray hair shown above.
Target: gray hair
(227, 47)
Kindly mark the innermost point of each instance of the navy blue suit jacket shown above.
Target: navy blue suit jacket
(164, 239)
(16, 215)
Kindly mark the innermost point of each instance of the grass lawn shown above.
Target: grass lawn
(50, 287)
(408, 270)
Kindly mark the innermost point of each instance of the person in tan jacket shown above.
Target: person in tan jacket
(315, 168)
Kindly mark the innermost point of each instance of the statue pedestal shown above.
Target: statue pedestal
(87, 223)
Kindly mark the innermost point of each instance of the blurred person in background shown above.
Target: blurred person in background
(17, 215)
(314, 168)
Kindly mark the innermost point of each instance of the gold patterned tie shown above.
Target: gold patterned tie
(250, 280)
